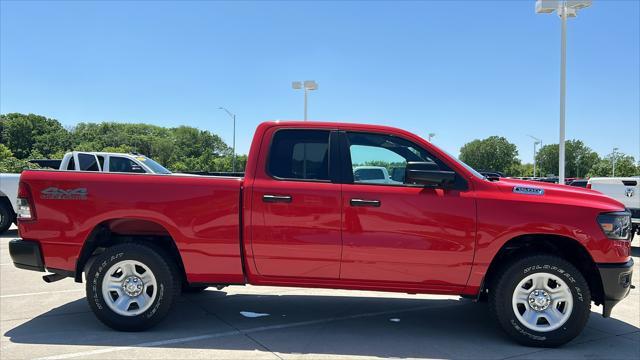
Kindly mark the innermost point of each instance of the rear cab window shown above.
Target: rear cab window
(88, 162)
(72, 164)
(301, 155)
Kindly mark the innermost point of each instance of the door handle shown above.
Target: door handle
(276, 198)
(362, 202)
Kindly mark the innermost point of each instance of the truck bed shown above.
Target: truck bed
(200, 213)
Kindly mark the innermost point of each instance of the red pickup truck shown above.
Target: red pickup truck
(539, 253)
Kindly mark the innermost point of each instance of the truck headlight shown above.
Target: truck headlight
(616, 225)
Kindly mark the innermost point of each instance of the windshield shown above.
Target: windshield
(154, 166)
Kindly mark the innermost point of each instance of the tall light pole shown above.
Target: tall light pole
(233, 116)
(536, 142)
(613, 162)
(565, 9)
(430, 136)
(307, 85)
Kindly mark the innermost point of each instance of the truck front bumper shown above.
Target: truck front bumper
(616, 283)
(26, 254)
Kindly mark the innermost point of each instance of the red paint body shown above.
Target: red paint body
(419, 240)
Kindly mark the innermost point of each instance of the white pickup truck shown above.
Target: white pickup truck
(624, 189)
(76, 161)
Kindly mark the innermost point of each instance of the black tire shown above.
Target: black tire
(6, 215)
(167, 279)
(188, 289)
(500, 300)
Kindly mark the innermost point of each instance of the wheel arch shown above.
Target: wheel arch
(557, 245)
(121, 230)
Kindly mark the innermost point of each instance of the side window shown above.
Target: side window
(382, 159)
(300, 154)
(72, 164)
(120, 164)
(88, 162)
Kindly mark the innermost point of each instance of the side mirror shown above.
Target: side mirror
(427, 173)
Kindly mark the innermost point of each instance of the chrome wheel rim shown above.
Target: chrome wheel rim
(129, 288)
(542, 302)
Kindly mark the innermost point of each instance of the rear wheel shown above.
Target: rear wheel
(6, 215)
(541, 301)
(131, 287)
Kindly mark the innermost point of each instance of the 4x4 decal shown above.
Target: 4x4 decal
(60, 194)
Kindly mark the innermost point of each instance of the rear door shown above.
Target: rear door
(296, 200)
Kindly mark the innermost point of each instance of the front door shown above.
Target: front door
(296, 220)
(398, 232)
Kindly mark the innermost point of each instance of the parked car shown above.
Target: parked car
(579, 183)
(75, 161)
(372, 174)
(539, 253)
(492, 174)
(624, 189)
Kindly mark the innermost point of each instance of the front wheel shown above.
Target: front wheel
(541, 301)
(131, 287)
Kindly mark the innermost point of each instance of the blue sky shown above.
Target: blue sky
(461, 69)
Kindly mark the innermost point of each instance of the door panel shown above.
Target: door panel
(299, 237)
(416, 235)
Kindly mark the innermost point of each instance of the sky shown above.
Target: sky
(463, 70)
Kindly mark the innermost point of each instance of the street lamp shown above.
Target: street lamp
(565, 9)
(613, 162)
(429, 136)
(307, 85)
(233, 116)
(536, 142)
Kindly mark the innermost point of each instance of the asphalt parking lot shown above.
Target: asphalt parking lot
(53, 321)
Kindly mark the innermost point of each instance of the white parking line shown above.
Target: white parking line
(39, 293)
(230, 333)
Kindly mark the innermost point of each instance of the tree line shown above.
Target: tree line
(180, 149)
(185, 148)
(496, 153)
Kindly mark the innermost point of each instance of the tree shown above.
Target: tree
(9, 164)
(625, 166)
(521, 170)
(5, 153)
(23, 134)
(579, 158)
(494, 153)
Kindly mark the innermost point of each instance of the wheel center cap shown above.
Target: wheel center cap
(539, 300)
(132, 286)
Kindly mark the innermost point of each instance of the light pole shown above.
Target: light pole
(233, 116)
(565, 9)
(613, 162)
(307, 85)
(430, 136)
(536, 142)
